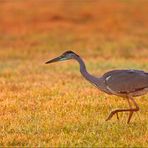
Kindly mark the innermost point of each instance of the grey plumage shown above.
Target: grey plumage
(124, 83)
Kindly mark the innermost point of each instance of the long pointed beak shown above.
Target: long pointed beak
(54, 60)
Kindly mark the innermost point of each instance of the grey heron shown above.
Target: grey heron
(124, 83)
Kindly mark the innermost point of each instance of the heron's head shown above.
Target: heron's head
(65, 56)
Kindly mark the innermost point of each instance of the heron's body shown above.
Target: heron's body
(123, 83)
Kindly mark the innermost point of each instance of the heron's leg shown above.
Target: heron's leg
(117, 115)
(116, 111)
(129, 106)
(131, 113)
(134, 109)
(131, 110)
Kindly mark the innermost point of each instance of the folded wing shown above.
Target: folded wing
(126, 81)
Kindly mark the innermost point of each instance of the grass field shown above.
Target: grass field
(52, 105)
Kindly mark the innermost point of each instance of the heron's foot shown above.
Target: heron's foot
(117, 115)
(130, 110)
(122, 110)
(130, 115)
(111, 115)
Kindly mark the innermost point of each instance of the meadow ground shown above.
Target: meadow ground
(52, 105)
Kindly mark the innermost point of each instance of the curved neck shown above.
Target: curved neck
(84, 72)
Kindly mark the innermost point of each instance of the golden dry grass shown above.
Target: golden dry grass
(52, 105)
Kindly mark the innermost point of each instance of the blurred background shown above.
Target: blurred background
(94, 28)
